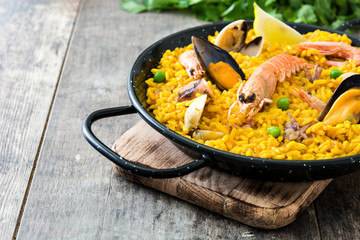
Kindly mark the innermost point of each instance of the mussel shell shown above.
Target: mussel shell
(207, 53)
(351, 81)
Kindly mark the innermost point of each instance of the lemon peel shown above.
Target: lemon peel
(274, 30)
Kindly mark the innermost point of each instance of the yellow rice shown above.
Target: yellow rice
(327, 141)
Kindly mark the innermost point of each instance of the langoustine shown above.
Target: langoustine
(336, 49)
(258, 90)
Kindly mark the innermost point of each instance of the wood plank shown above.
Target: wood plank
(338, 209)
(75, 194)
(142, 213)
(262, 204)
(72, 183)
(33, 41)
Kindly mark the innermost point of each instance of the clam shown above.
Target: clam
(194, 112)
(344, 104)
(232, 38)
(219, 65)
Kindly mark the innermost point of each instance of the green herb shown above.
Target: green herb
(335, 73)
(328, 13)
(274, 131)
(283, 103)
(159, 77)
(133, 6)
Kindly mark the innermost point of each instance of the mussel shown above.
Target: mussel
(344, 104)
(232, 38)
(218, 64)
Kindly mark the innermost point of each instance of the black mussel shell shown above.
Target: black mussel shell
(207, 53)
(347, 83)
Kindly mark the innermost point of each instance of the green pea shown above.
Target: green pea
(159, 77)
(335, 73)
(274, 131)
(283, 103)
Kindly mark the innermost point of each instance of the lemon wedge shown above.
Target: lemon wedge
(274, 30)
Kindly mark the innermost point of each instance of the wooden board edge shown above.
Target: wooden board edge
(255, 216)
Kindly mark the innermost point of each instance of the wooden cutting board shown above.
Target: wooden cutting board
(262, 204)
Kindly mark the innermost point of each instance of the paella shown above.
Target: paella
(237, 92)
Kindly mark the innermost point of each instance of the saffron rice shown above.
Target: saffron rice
(326, 141)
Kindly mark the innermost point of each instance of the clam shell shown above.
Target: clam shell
(232, 38)
(254, 47)
(194, 112)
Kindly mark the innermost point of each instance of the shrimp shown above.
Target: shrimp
(310, 99)
(262, 83)
(191, 64)
(336, 49)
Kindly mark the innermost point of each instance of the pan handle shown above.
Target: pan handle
(348, 24)
(126, 164)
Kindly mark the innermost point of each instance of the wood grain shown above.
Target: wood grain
(33, 41)
(71, 188)
(338, 209)
(75, 194)
(267, 205)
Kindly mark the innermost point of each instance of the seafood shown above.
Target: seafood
(219, 65)
(246, 133)
(262, 83)
(191, 64)
(194, 112)
(189, 91)
(232, 38)
(310, 99)
(253, 48)
(316, 75)
(336, 49)
(343, 105)
(207, 135)
(293, 131)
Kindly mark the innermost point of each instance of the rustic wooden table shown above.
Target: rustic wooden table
(61, 60)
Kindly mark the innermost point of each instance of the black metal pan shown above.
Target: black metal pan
(259, 168)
